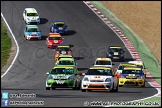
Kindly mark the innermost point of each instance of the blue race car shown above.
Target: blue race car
(58, 26)
(32, 32)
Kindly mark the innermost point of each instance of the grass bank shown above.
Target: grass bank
(5, 46)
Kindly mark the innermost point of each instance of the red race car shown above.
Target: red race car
(53, 40)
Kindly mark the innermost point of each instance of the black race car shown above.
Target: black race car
(115, 53)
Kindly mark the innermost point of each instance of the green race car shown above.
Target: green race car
(66, 62)
(63, 77)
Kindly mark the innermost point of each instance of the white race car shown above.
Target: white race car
(99, 78)
(31, 15)
(103, 62)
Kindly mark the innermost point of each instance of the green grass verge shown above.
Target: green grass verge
(5, 46)
(147, 57)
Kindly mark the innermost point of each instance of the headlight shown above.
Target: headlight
(50, 77)
(71, 78)
(38, 18)
(108, 80)
(122, 55)
(109, 54)
(85, 79)
(50, 43)
(28, 19)
(122, 76)
(140, 77)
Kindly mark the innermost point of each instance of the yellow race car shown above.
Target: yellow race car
(139, 64)
(132, 75)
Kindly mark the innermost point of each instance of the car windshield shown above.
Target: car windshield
(115, 49)
(32, 14)
(64, 57)
(99, 72)
(33, 30)
(120, 68)
(131, 71)
(59, 25)
(62, 71)
(99, 62)
(63, 49)
(54, 38)
(140, 66)
(66, 62)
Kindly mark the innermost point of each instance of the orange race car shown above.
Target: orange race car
(53, 40)
(62, 49)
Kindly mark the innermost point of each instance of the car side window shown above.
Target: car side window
(25, 12)
(26, 29)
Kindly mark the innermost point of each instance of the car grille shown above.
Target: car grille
(96, 86)
(96, 80)
(131, 78)
(59, 85)
(59, 79)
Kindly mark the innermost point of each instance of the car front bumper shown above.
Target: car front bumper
(96, 86)
(124, 81)
(33, 37)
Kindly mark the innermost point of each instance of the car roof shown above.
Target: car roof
(115, 47)
(136, 62)
(31, 10)
(58, 21)
(99, 67)
(126, 64)
(54, 35)
(63, 45)
(64, 66)
(32, 26)
(106, 59)
(63, 59)
(62, 55)
(132, 68)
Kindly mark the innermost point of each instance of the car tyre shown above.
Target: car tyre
(47, 88)
(116, 90)
(53, 88)
(112, 88)
(143, 85)
(120, 85)
(75, 87)
(83, 90)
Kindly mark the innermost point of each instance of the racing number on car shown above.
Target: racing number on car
(60, 81)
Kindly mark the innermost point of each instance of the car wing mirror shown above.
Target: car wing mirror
(47, 73)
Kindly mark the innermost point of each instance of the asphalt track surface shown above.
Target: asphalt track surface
(90, 37)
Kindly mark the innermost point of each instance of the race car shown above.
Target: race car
(30, 15)
(63, 77)
(58, 26)
(63, 49)
(103, 62)
(66, 62)
(139, 64)
(65, 56)
(99, 78)
(115, 53)
(53, 40)
(32, 32)
(121, 67)
(132, 75)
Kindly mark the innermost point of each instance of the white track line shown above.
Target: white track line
(88, 3)
(17, 49)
